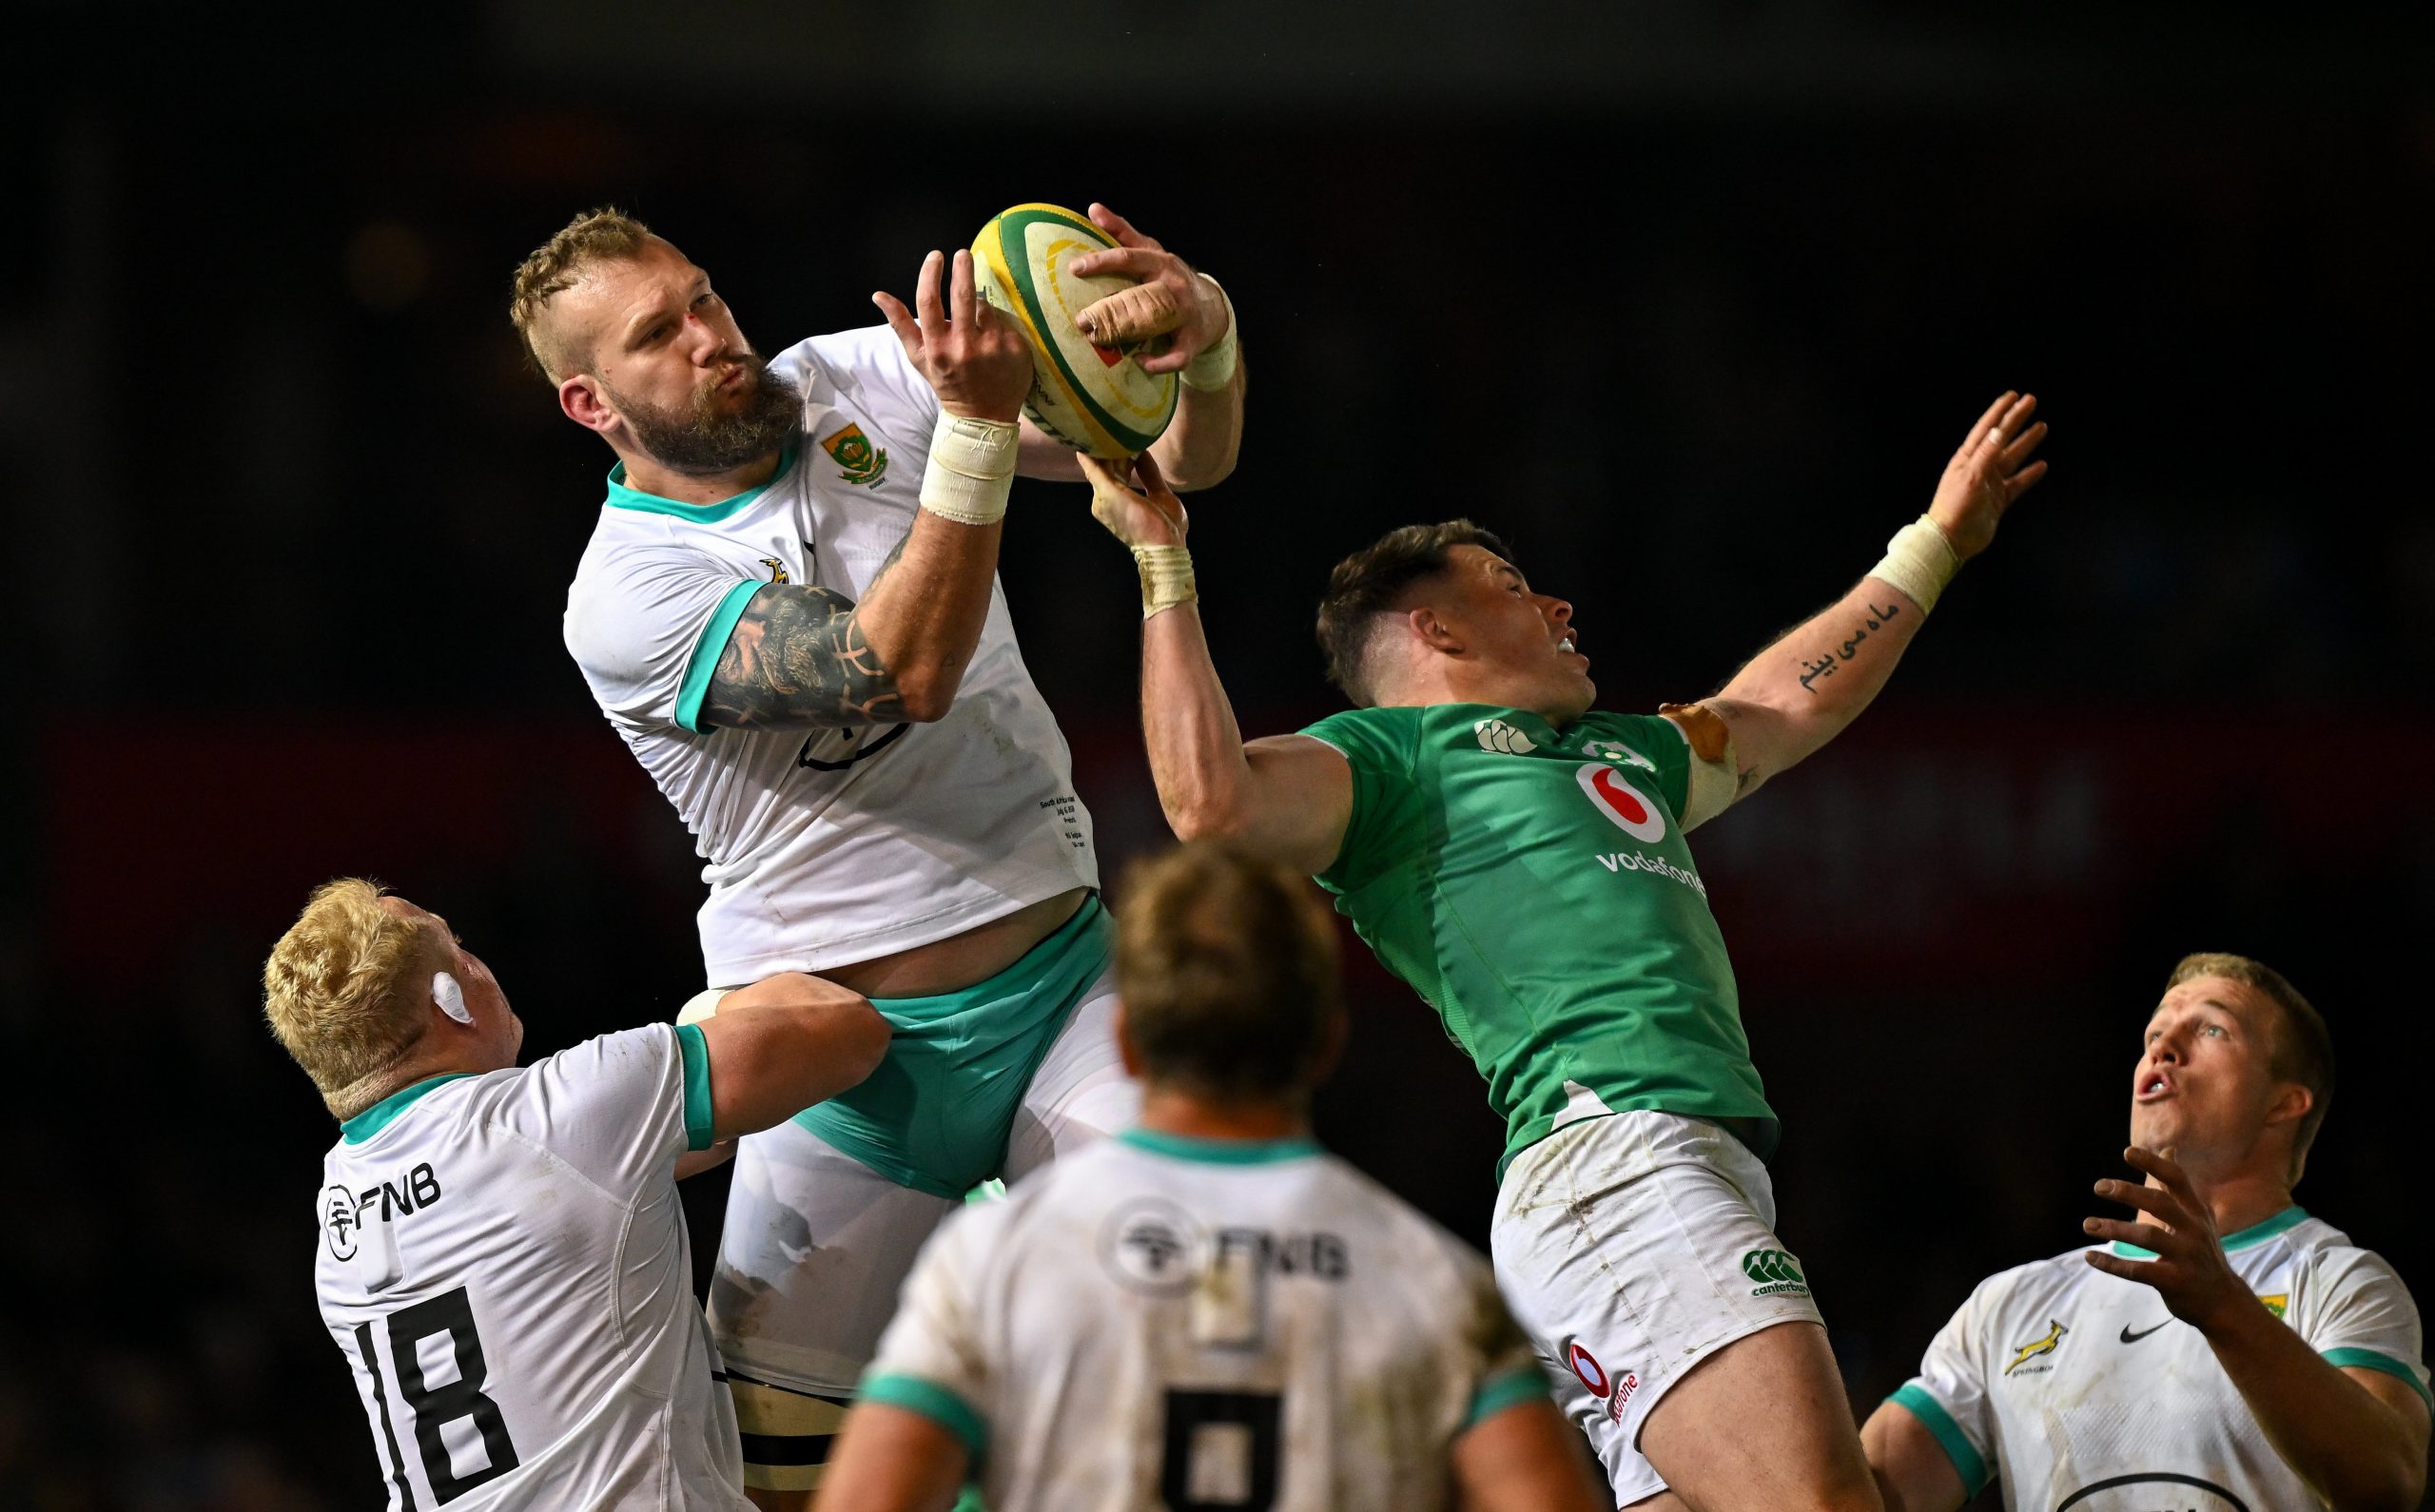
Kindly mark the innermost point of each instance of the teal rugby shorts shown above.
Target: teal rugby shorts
(936, 1115)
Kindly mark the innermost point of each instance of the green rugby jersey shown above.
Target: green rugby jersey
(1533, 885)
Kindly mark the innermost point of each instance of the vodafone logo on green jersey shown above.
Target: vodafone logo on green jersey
(1634, 812)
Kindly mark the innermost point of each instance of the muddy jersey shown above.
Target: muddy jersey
(1535, 886)
(2077, 1388)
(1187, 1323)
(823, 848)
(504, 1264)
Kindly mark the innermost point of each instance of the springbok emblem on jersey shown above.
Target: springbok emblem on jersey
(2031, 1351)
(857, 460)
(778, 569)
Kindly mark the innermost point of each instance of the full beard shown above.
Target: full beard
(703, 439)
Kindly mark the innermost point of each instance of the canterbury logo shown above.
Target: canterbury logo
(2031, 1351)
(1774, 1271)
(1498, 736)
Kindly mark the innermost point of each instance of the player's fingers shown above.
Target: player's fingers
(2144, 1235)
(2022, 481)
(2113, 1265)
(959, 289)
(1132, 314)
(2168, 1175)
(1121, 228)
(1103, 475)
(925, 298)
(1976, 439)
(900, 320)
(1122, 261)
(1174, 359)
(2165, 1205)
(2018, 452)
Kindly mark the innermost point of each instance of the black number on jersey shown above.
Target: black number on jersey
(1231, 1470)
(450, 1313)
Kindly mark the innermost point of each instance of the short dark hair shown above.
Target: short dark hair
(1227, 968)
(1372, 581)
(2303, 1049)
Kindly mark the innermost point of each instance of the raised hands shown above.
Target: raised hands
(1168, 298)
(1149, 514)
(2189, 1271)
(976, 360)
(1991, 470)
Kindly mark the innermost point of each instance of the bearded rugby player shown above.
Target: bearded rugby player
(789, 610)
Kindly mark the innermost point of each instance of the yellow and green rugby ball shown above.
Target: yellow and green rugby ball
(1094, 399)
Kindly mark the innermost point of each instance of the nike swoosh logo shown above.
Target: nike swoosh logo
(2128, 1337)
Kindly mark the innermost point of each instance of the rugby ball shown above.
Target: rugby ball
(1094, 399)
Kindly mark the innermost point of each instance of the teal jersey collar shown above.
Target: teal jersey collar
(381, 1114)
(622, 497)
(2290, 1217)
(1220, 1151)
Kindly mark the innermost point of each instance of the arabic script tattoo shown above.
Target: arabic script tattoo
(1834, 656)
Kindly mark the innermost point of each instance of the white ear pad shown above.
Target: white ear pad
(450, 996)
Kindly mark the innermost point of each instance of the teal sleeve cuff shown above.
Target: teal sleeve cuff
(1958, 1448)
(707, 652)
(2370, 1360)
(695, 1052)
(1509, 1390)
(934, 1402)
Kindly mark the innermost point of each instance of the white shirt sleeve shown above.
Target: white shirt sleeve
(620, 1108)
(1949, 1395)
(870, 366)
(646, 623)
(933, 1358)
(2360, 1315)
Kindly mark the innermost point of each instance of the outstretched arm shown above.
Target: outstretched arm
(1170, 299)
(1285, 798)
(802, 655)
(1800, 693)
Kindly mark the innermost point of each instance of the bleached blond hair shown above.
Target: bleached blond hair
(346, 991)
(605, 235)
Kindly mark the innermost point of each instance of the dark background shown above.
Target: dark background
(1689, 302)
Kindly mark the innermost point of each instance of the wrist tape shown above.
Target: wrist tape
(971, 469)
(1215, 368)
(1167, 577)
(1920, 561)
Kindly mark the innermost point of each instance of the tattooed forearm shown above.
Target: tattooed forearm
(1824, 666)
(798, 657)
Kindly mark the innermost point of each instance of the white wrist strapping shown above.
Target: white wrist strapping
(971, 470)
(1920, 561)
(1167, 577)
(1215, 367)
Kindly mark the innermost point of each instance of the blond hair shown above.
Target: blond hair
(558, 265)
(1227, 968)
(345, 988)
(2303, 1051)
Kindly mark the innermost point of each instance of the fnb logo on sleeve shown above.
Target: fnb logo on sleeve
(1634, 812)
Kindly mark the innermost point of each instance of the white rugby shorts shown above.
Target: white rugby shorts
(1632, 1247)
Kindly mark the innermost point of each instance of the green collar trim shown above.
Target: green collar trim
(1220, 1151)
(383, 1113)
(622, 497)
(2290, 1217)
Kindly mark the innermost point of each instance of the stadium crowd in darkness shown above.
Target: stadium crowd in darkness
(2164, 717)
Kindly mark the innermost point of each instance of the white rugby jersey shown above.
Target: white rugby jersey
(503, 1263)
(1159, 1321)
(823, 846)
(2074, 1387)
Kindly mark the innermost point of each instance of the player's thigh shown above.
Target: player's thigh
(1079, 1092)
(1631, 1247)
(1763, 1422)
(815, 1248)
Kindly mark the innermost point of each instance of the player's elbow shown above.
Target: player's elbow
(1208, 818)
(924, 695)
(859, 1041)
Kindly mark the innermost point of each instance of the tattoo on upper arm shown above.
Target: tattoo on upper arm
(1834, 656)
(798, 656)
